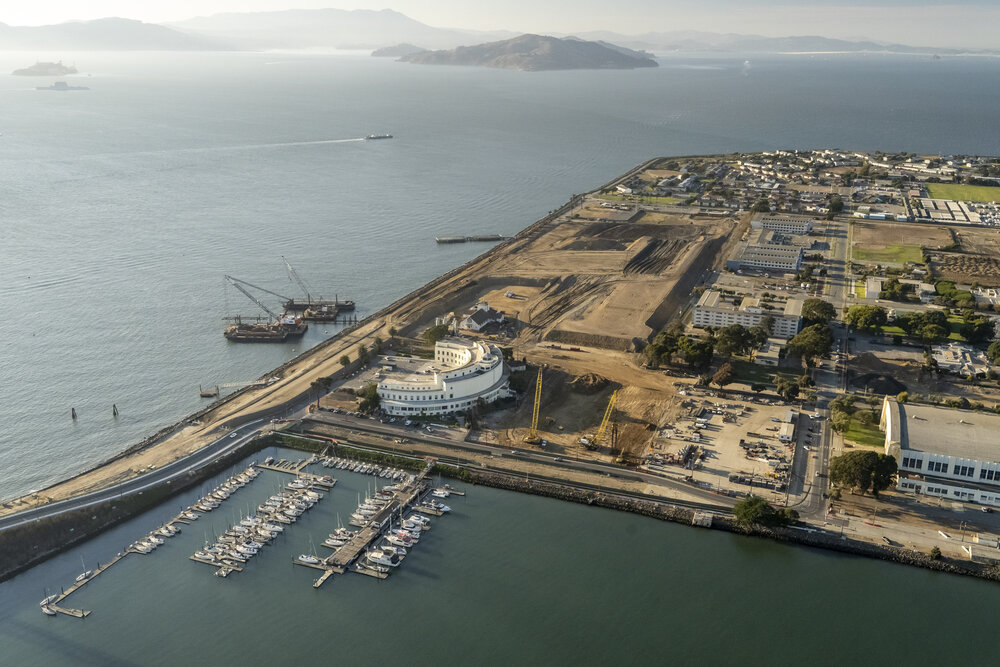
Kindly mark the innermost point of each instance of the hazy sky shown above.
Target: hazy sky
(923, 22)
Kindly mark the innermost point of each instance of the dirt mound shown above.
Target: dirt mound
(878, 383)
(590, 383)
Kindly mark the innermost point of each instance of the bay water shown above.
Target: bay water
(122, 207)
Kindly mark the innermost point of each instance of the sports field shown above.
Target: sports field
(897, 254)
(957, 192)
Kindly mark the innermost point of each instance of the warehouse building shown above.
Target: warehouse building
(943, 452)
(783, 224)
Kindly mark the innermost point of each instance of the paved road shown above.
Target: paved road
(224, 445)
(413, 434)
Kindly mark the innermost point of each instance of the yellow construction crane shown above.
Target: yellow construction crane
(607, 417)
(532, 437)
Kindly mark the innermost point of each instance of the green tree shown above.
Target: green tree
(755, 511)
(757, 387)
(817, 311)
(724, 375)
(696, 353)
(993, 351)
(978, 330)
(435, 333)
(840, 422)
(369, 398)
(732, 339)
(344, 360)
(787, 389)
(863, 471)
(932, 332)
(363, 356)
(903, 397)
(762, 205)
(378, 345)
(393, 331)
(936, 553)
(811, 342)
(866, 317)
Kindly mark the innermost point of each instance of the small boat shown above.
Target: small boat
(383, 558)
(398, 540)
(85, 575)
(372, 137)
(306, 558)
(47, 611)
(333, 543)
(154, 539)
(440, 493)
(391, 550)
(49, 600)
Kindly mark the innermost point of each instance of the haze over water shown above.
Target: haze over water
(122, 207)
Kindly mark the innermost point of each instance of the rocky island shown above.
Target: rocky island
(535, 53)
(397, 51)
(46, 69)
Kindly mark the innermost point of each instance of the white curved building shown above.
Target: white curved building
(463, 371)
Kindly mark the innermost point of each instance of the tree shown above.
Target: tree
(363, 356)
(369, 398)
(696, 353)
(724, 375)
(762, 205)
(978, 330)
(811, 342)
(378, 345)
(393, 331)
(993, 351)
(866, 317)
(840, 422)
(932, 332)
(344, 360)
(936, 553)
(733, 339)
(903, 396)
(787, 389)
(864, 471)
(435, 333)
(755, 511)
(817, 311)
(757, 387)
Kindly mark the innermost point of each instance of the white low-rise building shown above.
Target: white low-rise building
(960, 359)
(713, 310)
(783, 224)
(462, 373)
(943, 452)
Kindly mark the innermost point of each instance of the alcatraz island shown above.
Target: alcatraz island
(798, 344)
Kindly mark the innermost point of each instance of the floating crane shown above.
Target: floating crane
(318, 308)
(278, 330)
(532, 437)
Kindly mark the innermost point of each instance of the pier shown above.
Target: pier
(486, 238)
(347, 557)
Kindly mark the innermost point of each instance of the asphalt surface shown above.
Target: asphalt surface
(137, 485)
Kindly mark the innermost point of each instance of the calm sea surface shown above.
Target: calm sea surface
(122, 207)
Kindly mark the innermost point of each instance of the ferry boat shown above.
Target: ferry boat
(372, 137)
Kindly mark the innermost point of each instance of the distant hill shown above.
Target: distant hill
(327, 29)
(397, 51)
(687, 41)
(537, 52)
(111, 34)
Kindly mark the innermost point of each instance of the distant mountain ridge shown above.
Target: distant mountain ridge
(534, 53)
(110, 34)
(328, 29)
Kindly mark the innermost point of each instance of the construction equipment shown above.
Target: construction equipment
(320, 309)
(532, 437)
(596, 442)
(295, 276)
(278, 330)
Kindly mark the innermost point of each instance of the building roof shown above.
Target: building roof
(793, 308)
(949, 432)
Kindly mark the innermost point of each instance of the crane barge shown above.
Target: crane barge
(314, 308)
(277, 330)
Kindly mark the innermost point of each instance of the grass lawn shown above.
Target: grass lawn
(859, 289)
(642, 198)
(868, 436)
(898, 254)
(749, 373)
(963, 192)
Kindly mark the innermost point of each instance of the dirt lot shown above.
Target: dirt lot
(878, 235)
(968, 268)
(909, 374)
